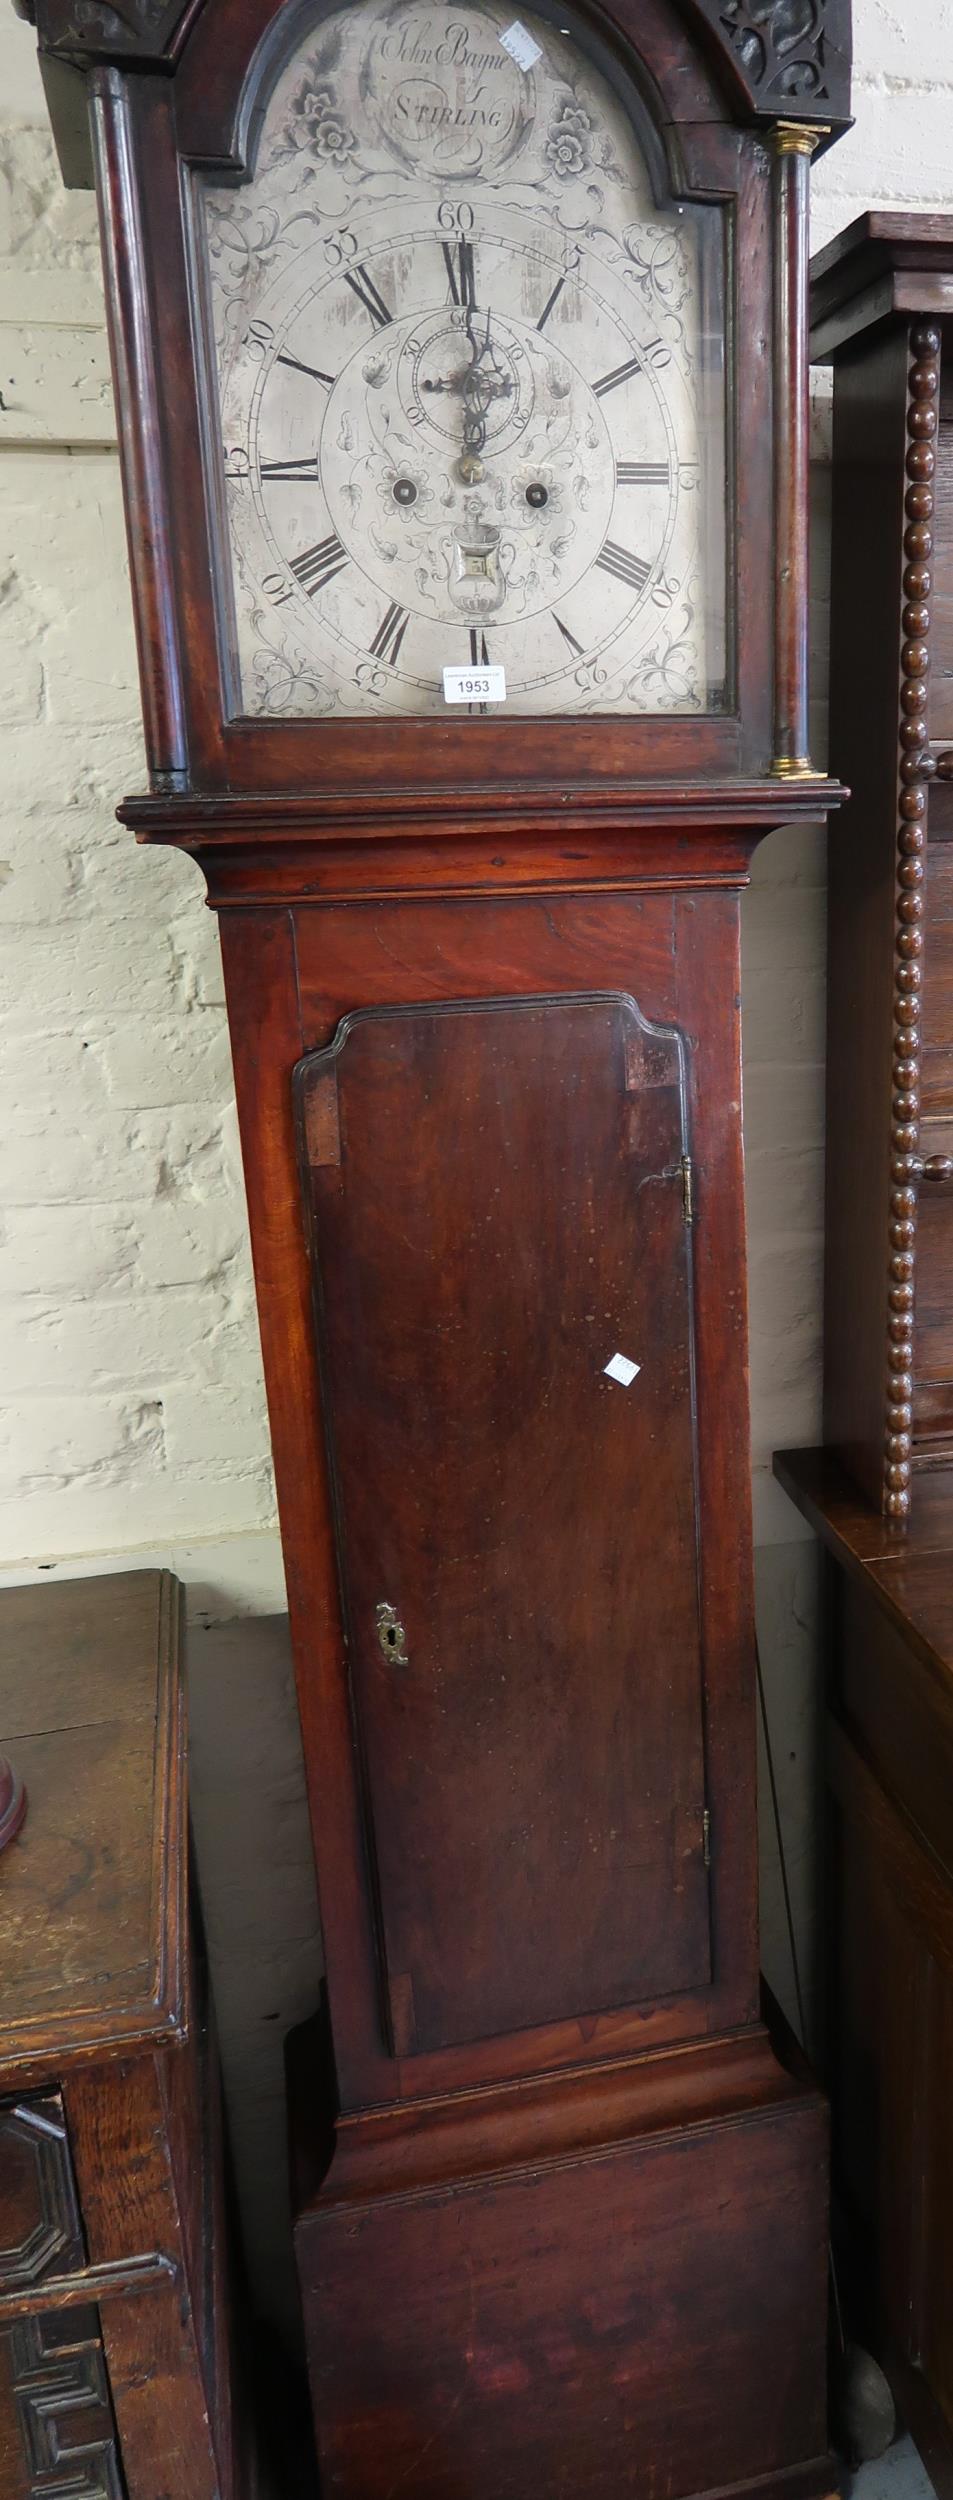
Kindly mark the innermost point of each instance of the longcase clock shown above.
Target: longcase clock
(461, 371)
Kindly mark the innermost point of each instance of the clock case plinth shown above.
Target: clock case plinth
(584, 2246)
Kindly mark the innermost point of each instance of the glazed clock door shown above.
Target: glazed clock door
(499, 1209)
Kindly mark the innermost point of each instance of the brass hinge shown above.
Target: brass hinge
(706, 1836)
(688, 1189)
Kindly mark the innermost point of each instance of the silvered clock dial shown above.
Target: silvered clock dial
(470, 379)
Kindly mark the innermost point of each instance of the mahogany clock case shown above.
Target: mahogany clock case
(561, 2206)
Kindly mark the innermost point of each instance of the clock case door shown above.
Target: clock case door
(499, 1207)
(389, 1432)
(154, 144)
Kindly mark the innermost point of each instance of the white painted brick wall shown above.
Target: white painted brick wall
(133, 1404)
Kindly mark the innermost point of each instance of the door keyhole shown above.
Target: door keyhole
(391, 1635)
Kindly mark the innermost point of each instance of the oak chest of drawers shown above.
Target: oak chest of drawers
(117, 2366)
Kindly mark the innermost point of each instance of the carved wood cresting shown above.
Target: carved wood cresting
(916, 769)
(91, 29)
(790, 51)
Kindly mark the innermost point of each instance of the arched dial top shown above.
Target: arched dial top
(470, 382)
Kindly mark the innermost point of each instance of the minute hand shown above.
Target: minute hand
(483, 382)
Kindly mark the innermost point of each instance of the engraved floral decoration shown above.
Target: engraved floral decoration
(658, 267)
(316, 123)
(670, 669)
(242, 241)
(535, 471)
(280, 684)
(405, 491)
(569, 145)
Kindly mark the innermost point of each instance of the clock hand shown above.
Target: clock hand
(483, 382)
(456, 382)
(452, 381)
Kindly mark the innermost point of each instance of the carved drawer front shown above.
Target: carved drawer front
(40, 2229)
(57, 2430)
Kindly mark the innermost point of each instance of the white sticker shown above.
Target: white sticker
(521, 46)
(474, 685)
(620, 1368)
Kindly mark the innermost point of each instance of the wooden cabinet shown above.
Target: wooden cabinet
(881, 1495)
(890, 1641)
(118, 2376)
(879, 298)
(57, 2427)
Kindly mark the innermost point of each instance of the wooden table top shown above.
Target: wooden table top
(907, 1564)
(93, 1891)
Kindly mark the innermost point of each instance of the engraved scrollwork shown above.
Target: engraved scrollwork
(658, 270)
(670, 667)
(915, 771)
(282, 682)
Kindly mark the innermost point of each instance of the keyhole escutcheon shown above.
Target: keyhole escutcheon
(391, 1635)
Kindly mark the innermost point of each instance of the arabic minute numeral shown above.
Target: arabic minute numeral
(319, 564)
(642, 473)
(625, 567)
(390, 634)
(455, 218)
(362, 285)
(340, 247)
(259, 337)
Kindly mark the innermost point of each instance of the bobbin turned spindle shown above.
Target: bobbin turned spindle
(12, 1802)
